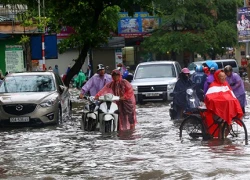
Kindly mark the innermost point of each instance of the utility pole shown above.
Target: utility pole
(246, 4)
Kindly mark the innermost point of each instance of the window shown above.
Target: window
(178, 67)
(219, 65)
(231, 63)
(155, 71)
(27, 83)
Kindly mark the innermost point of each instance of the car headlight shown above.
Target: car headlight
(48, 103)
(135, 88)
(171, 87)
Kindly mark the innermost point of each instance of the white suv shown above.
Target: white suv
(155, 80)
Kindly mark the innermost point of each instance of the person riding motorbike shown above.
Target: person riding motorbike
(96, 82)
(210, 78)
(237, 85)
(127, 75)
(127, 104)
(179, 93)
(199, 78)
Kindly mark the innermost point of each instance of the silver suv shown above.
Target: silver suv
(33, 98)
(155, 80)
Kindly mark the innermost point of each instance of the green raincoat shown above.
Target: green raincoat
(80, 79)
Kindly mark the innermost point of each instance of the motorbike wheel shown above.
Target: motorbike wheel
(107, 125)
(90, 125)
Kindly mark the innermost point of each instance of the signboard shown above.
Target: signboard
(65, 32)
(118, 56)
(142, 24)
(50, 42)
(243, 24)
(14, 58)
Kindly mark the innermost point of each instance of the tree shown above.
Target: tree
(202, 26)
(92, 21)
(27, 18)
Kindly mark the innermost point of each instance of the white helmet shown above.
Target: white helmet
(100, 67)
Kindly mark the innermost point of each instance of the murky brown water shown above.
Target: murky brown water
(152, 151)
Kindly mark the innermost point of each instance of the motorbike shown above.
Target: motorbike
(108, 113)
(89, 120)
(101, 115)
(192, 103)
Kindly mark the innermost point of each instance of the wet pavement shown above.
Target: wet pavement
(152, 151)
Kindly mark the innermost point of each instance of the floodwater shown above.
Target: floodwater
(152, 151)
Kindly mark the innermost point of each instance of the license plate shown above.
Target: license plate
(19, 119)
(152, 94)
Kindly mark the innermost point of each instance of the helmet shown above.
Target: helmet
(228, 68)
(185, 71)
(100, 67)
(199, 68)
(212, 65)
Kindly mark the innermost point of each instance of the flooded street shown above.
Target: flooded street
(152, 151)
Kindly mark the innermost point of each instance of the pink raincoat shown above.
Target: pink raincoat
(122, 88)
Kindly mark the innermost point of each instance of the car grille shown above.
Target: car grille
(19, 109)
(152, 88)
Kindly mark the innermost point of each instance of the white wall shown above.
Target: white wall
(64, 60)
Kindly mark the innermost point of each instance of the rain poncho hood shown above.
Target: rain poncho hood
(179, 92)
(220, 100)
(127, 107)
(80, 79)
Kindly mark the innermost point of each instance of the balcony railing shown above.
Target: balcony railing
(10, 12)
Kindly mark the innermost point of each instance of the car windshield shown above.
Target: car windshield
(155, 71)
(27, 83)
(192, 66)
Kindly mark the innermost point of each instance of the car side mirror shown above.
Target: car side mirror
(62, 88)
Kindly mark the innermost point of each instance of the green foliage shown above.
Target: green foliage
(201, 26)
(92, 20)
(24, 39)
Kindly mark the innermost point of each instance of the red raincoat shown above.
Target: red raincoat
(220, 100)
(127, 107)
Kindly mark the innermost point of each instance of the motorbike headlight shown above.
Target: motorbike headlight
(190, 92)
(48, 103)
(170, 87)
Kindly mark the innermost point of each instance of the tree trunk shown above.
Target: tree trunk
(28, 56)
(77, 66)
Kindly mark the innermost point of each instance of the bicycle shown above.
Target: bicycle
(194, 127)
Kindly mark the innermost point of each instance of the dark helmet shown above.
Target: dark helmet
(228, 68)
(100, 67)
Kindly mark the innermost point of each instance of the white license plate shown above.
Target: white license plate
(19, 119)
(152, 94)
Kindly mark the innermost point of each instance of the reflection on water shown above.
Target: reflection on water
(152, 151)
